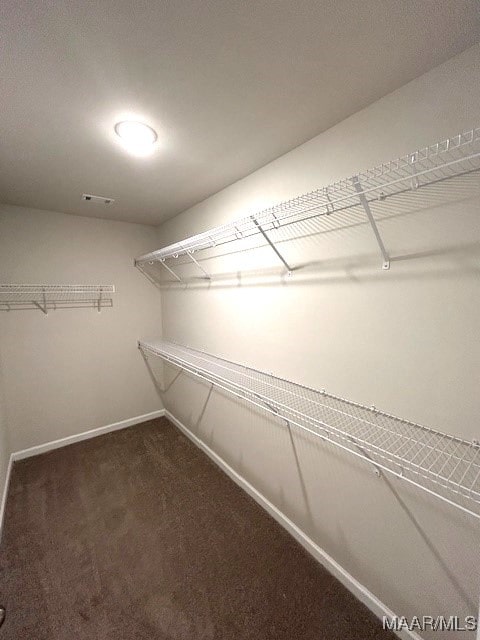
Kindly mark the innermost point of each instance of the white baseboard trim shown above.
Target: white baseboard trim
(5, 493)
(85, 435)
(354, 586)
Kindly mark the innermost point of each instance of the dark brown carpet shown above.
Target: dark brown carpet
(137, 535)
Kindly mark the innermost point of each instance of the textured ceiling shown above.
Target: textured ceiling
(228, 86)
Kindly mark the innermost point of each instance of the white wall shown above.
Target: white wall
(74, 369)
(405, 340)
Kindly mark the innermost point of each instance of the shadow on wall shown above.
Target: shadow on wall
(463, 258)
(334, 494)
(437, 220)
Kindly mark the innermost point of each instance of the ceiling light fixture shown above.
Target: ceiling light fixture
(137, 138)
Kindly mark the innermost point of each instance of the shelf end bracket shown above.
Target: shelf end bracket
(373, 224)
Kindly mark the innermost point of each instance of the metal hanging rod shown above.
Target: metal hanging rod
(441, 161)
(55, 296)
(442, 465)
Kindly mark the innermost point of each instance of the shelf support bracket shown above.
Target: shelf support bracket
(99, 302)
(373, 224)
(39, 306)
(412, 159)
(279, 255)
(189, 254)
(269, 406)
(43, 308)
(162, 262)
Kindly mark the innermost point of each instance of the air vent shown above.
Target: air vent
(97, 199)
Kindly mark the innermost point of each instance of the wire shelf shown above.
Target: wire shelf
(55, 296)
(442, 465)
(453, 157)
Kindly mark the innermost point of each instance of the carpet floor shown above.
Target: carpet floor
(137, 535)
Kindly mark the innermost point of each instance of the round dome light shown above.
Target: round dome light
(137, 138)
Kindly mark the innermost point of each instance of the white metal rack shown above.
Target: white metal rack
(453, 157)
(55, 296)
(442, 465)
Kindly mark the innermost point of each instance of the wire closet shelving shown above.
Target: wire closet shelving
(450, 158)
(443, 465)
(55, 296)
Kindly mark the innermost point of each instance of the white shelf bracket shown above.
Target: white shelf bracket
(412, 159)
(269, 406)
(277, 252)
(162, 262)
(189, 252)
(329, 207)
(43, 307)
(373, 224)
